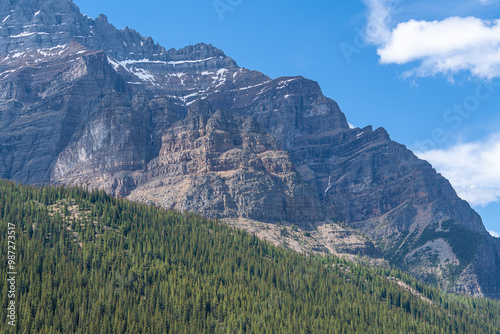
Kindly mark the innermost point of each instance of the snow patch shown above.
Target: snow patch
(12, 71)
(254, 86)
(329, 184)
(184, 98)
(179, 75)
(9, 71)
(238, 72)
(200, 95)
(50, 51)
(141, 73)
(124, 63)
(18, 54)
(144, 75)
(189, 61)
(5, 19)
(222, 71)
(285, 83)
(220, 78)
(190, 103)
(24, 34)
(114, 63)
(36, 14)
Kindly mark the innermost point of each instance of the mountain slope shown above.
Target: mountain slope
(90, 263)
(85, 103)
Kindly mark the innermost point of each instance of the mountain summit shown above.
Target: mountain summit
(85, 103)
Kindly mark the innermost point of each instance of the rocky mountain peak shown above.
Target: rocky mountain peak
(31, 24)
(196, 52)
(34, 24)
(82, 102)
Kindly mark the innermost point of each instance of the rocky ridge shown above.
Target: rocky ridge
(85, 103)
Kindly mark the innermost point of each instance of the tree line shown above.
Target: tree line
(91, 263)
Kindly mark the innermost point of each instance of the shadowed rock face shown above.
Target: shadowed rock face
(84, 103)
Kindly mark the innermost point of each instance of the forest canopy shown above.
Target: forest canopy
(91, 263)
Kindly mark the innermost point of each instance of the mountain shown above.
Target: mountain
(91, 263)
(85, 103)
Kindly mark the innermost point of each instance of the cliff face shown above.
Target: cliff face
(84, 103)
(226, 167)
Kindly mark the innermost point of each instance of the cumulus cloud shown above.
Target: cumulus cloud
(494, 234)
(447, 47)
(472, 168)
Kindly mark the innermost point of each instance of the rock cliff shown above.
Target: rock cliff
(84, 103)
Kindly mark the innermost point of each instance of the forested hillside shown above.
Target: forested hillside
(90, 263)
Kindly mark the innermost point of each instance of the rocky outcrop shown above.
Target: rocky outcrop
(44, 24)
(84, 103)
(321, 238)
(224, 166)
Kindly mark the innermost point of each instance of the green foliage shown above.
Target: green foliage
(464, 242)
(90, 263)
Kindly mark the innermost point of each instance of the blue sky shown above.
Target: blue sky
(427, 71)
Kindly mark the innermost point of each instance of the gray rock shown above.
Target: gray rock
(84, 103)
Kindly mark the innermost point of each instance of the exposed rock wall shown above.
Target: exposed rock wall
(84, 103)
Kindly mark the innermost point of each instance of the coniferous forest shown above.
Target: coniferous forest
(90, 263)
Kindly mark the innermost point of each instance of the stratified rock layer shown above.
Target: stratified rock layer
(84, 103)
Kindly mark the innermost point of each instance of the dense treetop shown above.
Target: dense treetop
(90, 263)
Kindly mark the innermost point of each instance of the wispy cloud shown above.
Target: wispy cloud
(487, 2)
(379, 17)
(472, 168)
(447, 46)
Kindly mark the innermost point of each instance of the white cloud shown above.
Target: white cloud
(472, 168)
(447, 47)
(379, 15)
(494, 234)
